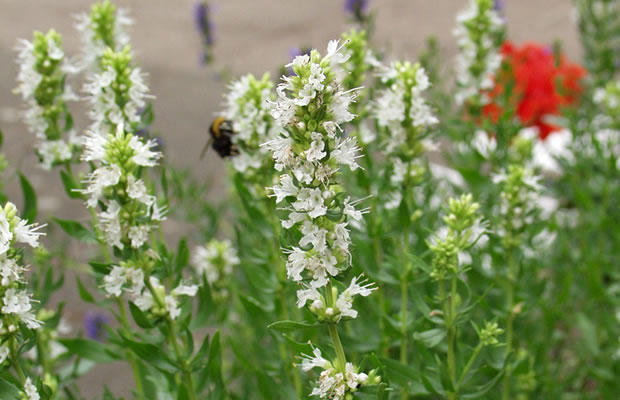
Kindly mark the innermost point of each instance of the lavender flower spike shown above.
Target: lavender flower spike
(202, 20)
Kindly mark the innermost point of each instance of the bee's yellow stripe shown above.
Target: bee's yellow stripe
(216, 126)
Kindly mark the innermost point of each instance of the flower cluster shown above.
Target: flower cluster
(335, 382)
(479, 33)
(341, 303)
(104, 27)
(246, 106)
(43, 71)
(464, 228)
(16, 304)
(520, 190)
(129, 209)
(216, 261)
(354, 71)
(608, 98)
(541, 83)
(404, 118)
(202, 20)
(116, 93)
(310, 149)
(148, 294)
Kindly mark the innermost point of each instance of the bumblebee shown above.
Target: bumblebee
(221, 132)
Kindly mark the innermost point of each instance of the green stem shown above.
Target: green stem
(468, 366)
(404, 301)
(185, 370)
(15, 359)
(403, 330)
(452, 333)
(509, 322)
(135, 368)
(333, 333)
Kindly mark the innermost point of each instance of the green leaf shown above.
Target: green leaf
(182, 257)
(100, 268)
(77, 230)
(9, 391)
(70, 185)
(153, 355)
(291, 326)
(89, 349)
(139, 316)
(84, 293)
(29, 210)
(214, 367)
(205, 305)
(1, 138)
(430, 338)
(588, 334)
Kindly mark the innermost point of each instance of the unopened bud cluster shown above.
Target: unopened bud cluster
(42, 78)
(464, 227)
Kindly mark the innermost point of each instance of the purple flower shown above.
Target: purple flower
(202, 20)
(358, 8)
(498, 5)
(94, 325)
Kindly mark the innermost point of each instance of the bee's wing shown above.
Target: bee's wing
(204, 149)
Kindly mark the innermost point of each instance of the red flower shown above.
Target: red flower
(541, 86)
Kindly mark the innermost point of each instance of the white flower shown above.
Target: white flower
(94, 146)
(216, 260)
(138, 235)
(483, 143)
(5, 233)
(308, 294)
(114, 281)
(285, 189)
(347, 152)
(310, 362)
(29, 234)
(98, 180)
(334, 52)
(10, 271)
(315, 152)
(110, 225)
(31, 390)
(144, 156)
(4, 353)
(136, 189)
(282, 151)
(52, 151)
(344, 303)
(311, 201)
(296, 264)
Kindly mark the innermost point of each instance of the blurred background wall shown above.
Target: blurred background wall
(251, 36)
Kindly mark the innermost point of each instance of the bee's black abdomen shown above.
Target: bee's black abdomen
(221, 132)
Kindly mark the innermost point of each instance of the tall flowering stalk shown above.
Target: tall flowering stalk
(246, 106)
(450, 247)
(43, 73)
(479, 33)
(598, 22)
(104, 27)
(17, 317)
(405, 119)
(517, 211)
(309, 151)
